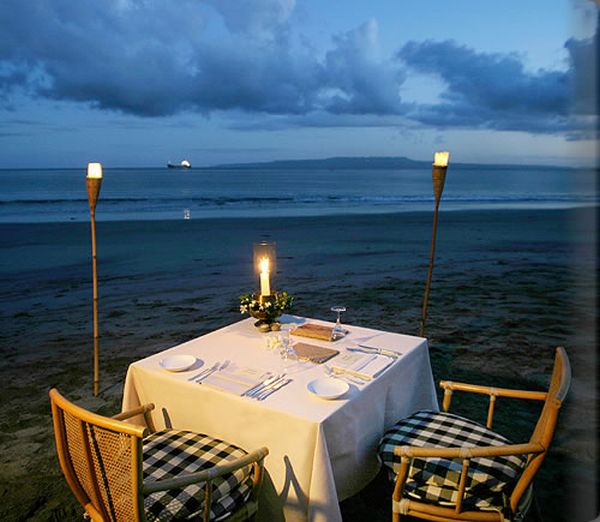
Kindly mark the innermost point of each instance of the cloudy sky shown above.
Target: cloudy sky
(142, 82)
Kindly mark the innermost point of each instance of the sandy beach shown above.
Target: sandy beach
(508, 287)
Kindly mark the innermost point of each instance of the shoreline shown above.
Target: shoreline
(424, 206)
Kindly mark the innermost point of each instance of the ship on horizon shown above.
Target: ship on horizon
(184, 164)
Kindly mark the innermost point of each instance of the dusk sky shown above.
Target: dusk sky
(142, 82)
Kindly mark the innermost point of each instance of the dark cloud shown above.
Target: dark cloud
(583, 55)
(158, 58)
(255, 17)
(485, 90)
(360, 82)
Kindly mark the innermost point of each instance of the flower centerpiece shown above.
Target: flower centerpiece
(266, 308)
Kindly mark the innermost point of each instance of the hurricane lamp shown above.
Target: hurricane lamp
(265, 265)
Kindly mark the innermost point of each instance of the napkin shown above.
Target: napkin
(235, 380)
(364, 365)
(312, 353)
(314, 331)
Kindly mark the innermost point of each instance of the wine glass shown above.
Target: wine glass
(286, 351)
(338, 331)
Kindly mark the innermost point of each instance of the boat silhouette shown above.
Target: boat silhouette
(184, 164)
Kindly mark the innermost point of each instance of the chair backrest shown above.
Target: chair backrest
(101, 460)
(546, 424)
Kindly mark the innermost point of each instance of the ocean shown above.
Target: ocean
(59, 195)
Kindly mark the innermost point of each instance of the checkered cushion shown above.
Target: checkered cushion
(435, 480)
(170, 454)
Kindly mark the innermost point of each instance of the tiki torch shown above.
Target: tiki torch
(438, 172)
(93, 182)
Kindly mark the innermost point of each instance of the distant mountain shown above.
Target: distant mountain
(331, 163)
(359, 163)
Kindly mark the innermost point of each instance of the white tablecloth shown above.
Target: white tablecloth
(321, 451)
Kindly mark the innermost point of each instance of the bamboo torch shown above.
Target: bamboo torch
(93, 183)
(438, 173)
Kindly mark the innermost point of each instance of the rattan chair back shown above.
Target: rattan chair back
(546, 424)
(101, 459)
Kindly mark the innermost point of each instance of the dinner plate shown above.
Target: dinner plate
(328, 387)
(178, 363)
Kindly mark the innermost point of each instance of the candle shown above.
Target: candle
(94, 170)
(265, 287)
(441, 159)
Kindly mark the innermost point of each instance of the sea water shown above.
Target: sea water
(59, 195)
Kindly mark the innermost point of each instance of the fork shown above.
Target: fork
(201, 374)
(216, 368)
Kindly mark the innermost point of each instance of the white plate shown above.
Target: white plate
(178, 363)
(328, 387)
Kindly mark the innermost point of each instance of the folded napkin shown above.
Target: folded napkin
(364, 365)
(235, 380)
(312, 353)
(314, 331)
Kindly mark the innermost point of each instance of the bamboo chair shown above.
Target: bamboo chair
(414, 498)
(122, 472)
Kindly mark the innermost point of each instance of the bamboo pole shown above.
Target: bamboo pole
(438, 174)
(93, 190)
(95, 301)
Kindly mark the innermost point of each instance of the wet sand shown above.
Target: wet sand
(508, 287)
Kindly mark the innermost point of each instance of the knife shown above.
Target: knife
(254, 389)
(372, 349)
(269, 386)
(274, 389)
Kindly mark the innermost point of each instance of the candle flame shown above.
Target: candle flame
(94, 170)
(264, 265)
(440, 159)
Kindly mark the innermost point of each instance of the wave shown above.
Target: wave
(61, 201)
(311, 200)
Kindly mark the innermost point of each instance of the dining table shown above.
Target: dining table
(322, 446)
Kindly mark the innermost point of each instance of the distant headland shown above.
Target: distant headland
(363, 163)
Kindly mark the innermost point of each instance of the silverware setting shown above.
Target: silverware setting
(273, 389)
(217, 367)
(199, 375)
(372, 349)
(268, 379)
(265, 386)
(347, 376)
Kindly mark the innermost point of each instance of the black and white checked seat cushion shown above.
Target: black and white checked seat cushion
(435, 480)
(169, 454)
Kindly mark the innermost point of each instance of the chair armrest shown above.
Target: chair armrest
(468, 453)
(490, 390)
(407, 453)
(204, 475)
(449, 387)
(140, 410)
